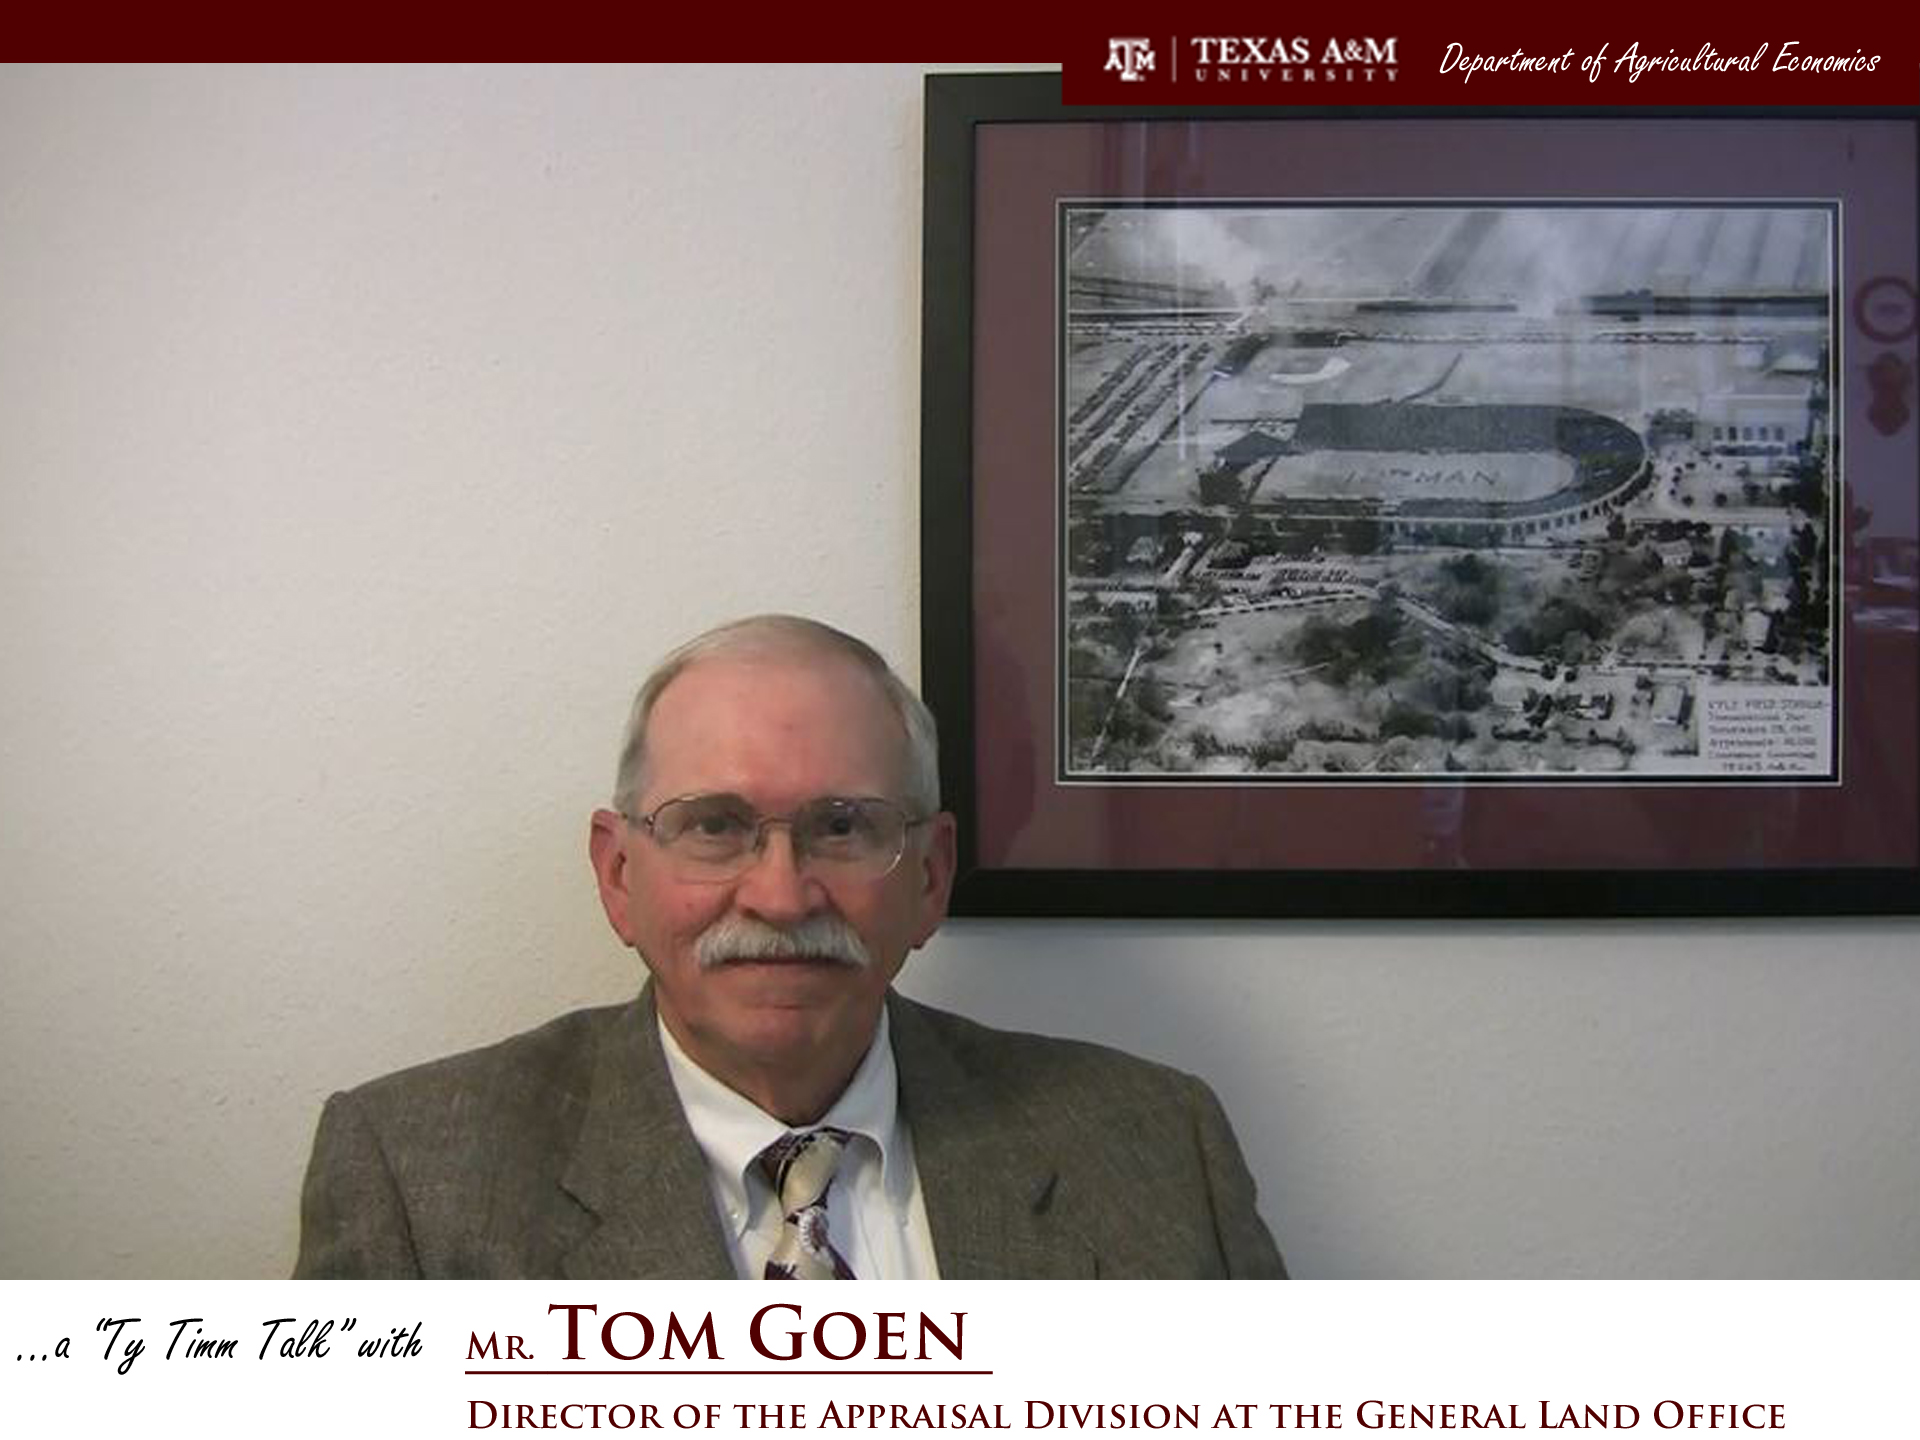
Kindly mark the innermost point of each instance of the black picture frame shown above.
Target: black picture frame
(1848, 845)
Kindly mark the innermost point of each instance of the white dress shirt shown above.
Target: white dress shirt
(875, 1214)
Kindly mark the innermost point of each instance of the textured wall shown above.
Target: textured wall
(363, 436)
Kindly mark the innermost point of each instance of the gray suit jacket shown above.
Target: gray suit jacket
(563, 1151)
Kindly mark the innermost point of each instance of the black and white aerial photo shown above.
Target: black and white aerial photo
(1413, 491)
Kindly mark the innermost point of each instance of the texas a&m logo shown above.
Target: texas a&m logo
(1132, 58)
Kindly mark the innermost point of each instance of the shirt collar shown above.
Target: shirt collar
(732, 1131)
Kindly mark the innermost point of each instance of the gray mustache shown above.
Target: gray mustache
(819, 937)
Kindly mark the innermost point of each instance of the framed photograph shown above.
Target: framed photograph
(1396, 513)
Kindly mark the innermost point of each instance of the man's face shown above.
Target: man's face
(777, 730)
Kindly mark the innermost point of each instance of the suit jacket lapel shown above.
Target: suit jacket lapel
(990, 1191)
(636, 1167)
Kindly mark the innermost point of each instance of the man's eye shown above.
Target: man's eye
(712, 825)
(835, 828)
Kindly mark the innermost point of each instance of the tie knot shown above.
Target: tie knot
(800, 1164)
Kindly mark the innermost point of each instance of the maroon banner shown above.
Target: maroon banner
(1373, 62)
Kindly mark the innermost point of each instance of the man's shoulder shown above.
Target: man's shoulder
(991, 1106)
(460, 1166)
(1024, 1059)
(543, 1069)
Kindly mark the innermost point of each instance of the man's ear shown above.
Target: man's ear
(607, 850)
(935, 862)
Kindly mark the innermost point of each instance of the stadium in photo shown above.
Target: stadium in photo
(1278, 422)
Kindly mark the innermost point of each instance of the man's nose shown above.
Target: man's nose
(774, 886)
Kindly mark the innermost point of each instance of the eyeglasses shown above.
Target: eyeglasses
(715, 838)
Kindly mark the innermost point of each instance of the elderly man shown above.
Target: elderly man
(768, 1106)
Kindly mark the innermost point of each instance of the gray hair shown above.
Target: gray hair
(823, 936)
(787, 634)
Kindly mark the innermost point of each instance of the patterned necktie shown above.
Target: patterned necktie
(801, 1167)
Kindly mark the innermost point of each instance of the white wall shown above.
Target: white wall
(364, 435)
